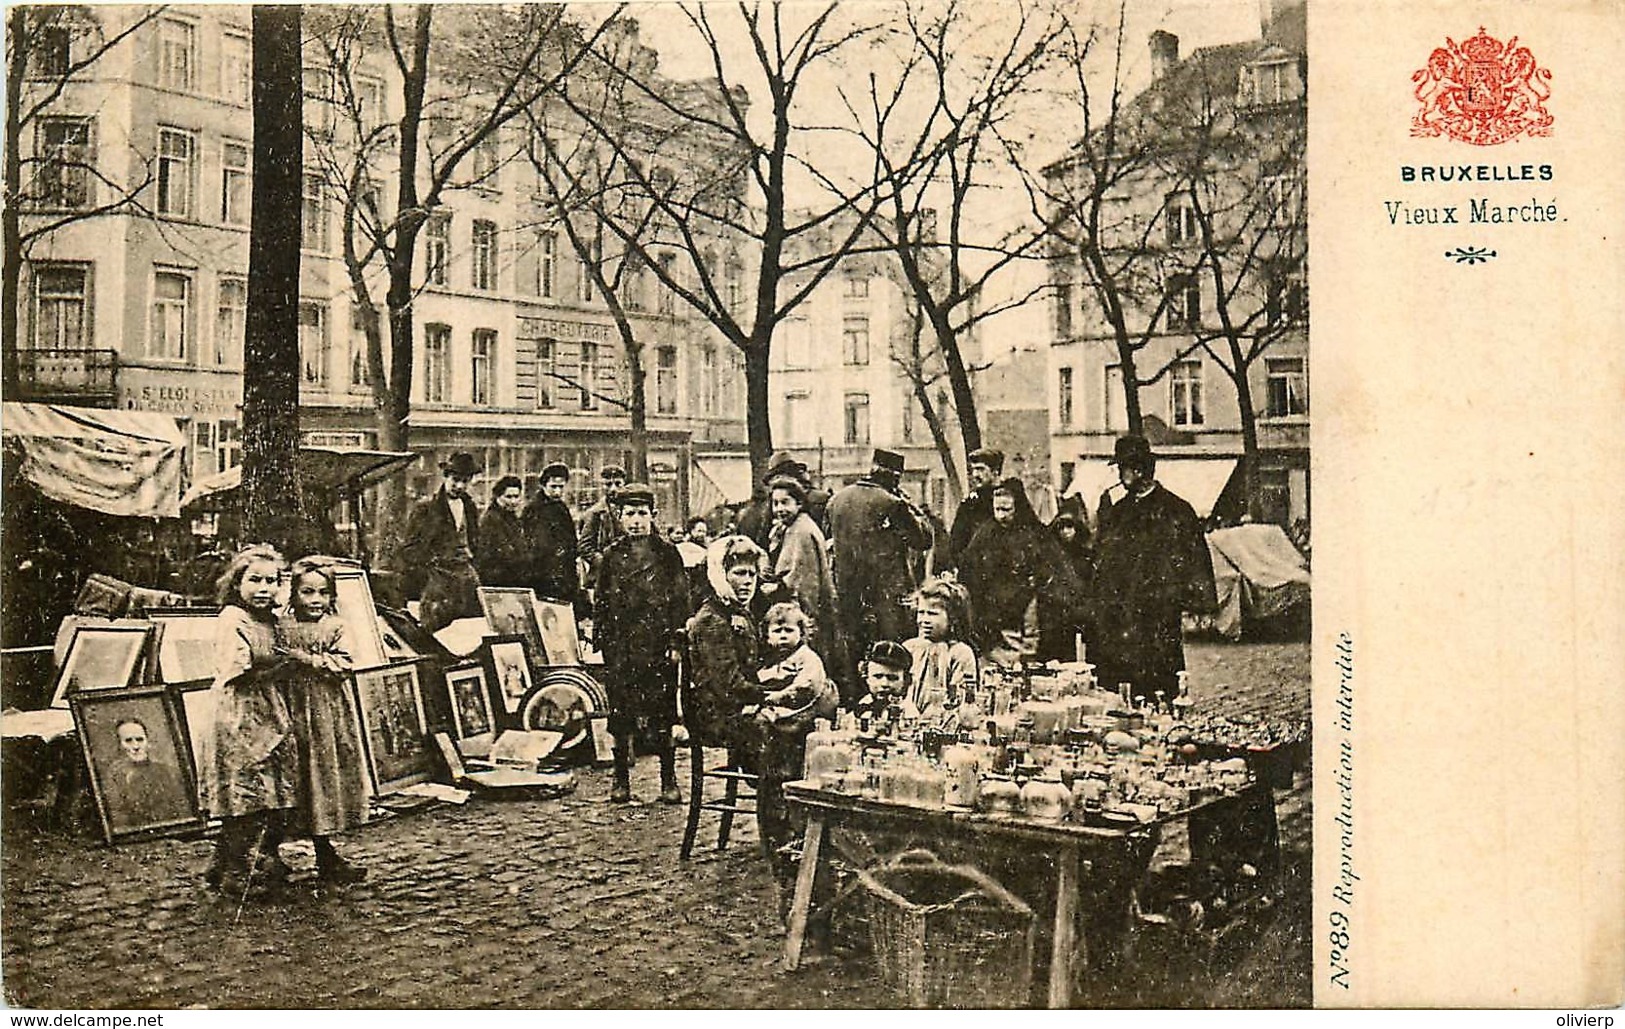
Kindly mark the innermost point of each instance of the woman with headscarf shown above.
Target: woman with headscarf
(1019, 580)
(723, 655)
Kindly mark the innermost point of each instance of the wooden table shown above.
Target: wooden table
(1065, 840)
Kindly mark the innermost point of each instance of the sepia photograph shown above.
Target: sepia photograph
(508, 661)
(470, 701)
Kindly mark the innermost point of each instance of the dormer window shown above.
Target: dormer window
(1269, 82)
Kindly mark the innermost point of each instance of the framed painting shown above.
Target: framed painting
(561, 643)
(471, 707)
(507, 660)
(511, 611)
(353, 600)
(104, 657)
(393, 726)
(141, 768)
(186, 643)
(196, 700)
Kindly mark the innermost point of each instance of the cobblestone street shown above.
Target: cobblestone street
(567, 903)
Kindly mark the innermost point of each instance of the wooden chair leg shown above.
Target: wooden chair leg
(731, 798)
(696, 797)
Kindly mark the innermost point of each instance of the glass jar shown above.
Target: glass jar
(1045, 799)
(998, 795)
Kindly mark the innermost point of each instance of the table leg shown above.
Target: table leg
(796, 931)
(1066, 908)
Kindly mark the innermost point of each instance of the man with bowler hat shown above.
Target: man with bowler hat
(984, 468)
(437, 550)
(1152, 563)
(874, 528)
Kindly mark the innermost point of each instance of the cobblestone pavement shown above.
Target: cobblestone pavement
(569, 903)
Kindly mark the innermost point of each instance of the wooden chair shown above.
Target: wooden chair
(738, 786)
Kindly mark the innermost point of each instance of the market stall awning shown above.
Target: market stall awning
(321, 468)
(1198, 480)
(719, 479)
(117, 462)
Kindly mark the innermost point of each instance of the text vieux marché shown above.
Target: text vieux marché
(1476, 210)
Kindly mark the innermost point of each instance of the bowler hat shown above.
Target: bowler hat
(784, 462)
(637, 493)
(890, 654)
(1133, 450)
(994, 459)
(890, 460)
(461, 464)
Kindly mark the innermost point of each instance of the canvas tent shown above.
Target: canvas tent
(1258, 573)
(321, 469)
(124, 463)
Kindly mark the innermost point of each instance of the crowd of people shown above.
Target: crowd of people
(807, 603)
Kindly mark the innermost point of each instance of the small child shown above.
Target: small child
(798, 694)
(250, 755)
(332, 772)
(799, 690)
(944, 666)
(886, 674)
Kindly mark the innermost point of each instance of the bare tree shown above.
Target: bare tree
(273, 508)
(48, 47)
(918, 366)
(1097, 224)
(1240, 165)
(946, 176)
(780, 153)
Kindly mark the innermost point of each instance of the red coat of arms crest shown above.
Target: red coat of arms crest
(1482, 91)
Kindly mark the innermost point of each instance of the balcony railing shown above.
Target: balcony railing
(74, 376)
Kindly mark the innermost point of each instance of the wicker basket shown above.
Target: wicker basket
(948, 936)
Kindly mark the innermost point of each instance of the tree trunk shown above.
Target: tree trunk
(637, 396)
(10, 288)
(271, 500)
(758, 427)
(1249, 432)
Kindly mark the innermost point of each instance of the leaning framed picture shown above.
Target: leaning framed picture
(103, 657)
(390, 702)
(471, 708)
(186, 645)
(507, 660)
(561, 644)
(196, 699)
(352, 596)
(141, 770)
(510, 611)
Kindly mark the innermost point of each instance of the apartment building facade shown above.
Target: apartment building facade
(143, 307)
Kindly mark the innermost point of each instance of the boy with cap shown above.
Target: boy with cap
(551, 534)
(887, 675)
(641, 606)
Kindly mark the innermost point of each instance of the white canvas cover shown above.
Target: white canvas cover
(1258, 573)
(117, 462)
(1196, 480)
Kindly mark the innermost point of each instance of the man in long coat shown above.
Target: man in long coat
(1152, 564)
(983, 468)
(875, 529)
(551, 532)
(437, 549)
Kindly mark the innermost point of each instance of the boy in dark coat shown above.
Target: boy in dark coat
(551, 532)
(640, 608)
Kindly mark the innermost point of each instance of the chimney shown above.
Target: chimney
(1266, 17)
(1164, 52)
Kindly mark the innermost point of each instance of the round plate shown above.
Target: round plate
(564, 701)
